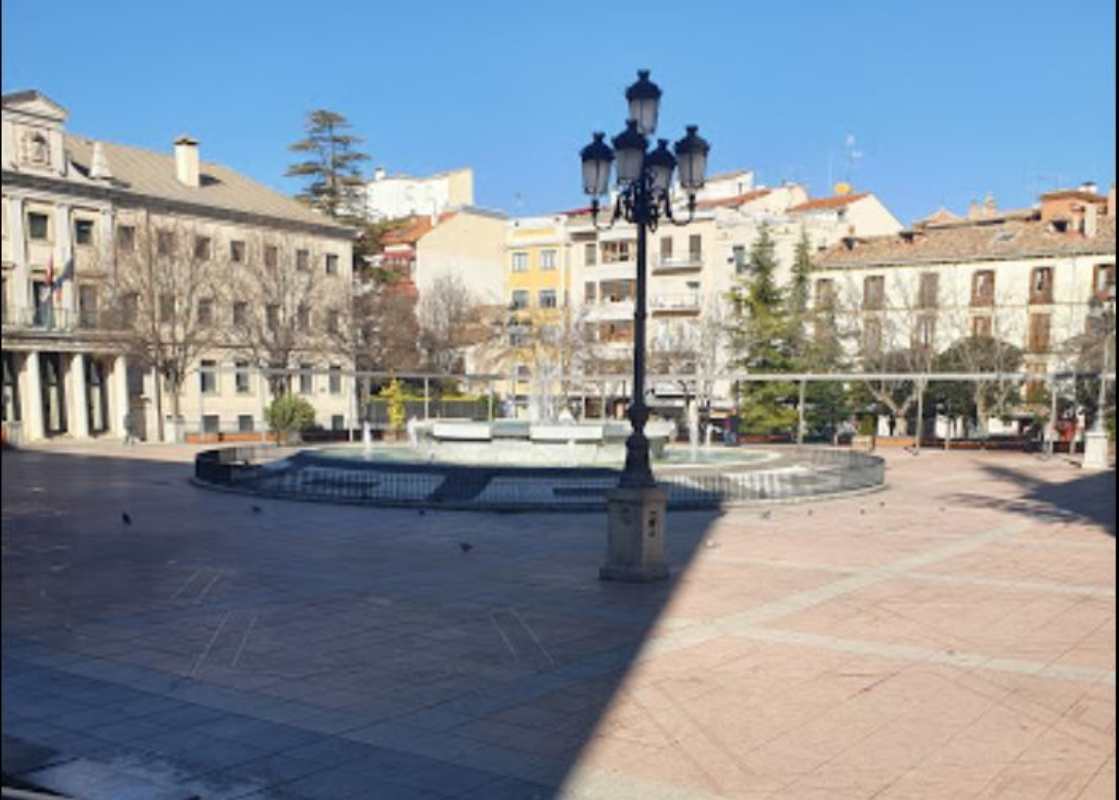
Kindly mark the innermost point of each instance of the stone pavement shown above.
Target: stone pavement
(951, 636)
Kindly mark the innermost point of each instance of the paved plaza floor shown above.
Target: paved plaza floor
(952, 636)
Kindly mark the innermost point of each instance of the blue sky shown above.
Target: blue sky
(947, 101)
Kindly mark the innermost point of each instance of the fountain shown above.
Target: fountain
(366, 437)
(693, 429)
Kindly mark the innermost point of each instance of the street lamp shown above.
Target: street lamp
(1102, 313)
(644, 199)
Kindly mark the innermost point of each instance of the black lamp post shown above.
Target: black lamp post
(644, 199)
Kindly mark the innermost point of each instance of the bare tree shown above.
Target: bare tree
(167, 291)
(450, 320)
(696, 349)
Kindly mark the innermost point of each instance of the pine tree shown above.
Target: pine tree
(802, 266)
(761, 339)
(332, 165)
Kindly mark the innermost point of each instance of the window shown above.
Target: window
(695, 247)
(38, 226)
(240, 313)
(666, 248)
(520, 298)
(10, 408)
(87, 306)
(271, 256)
(524, 371)
(331, 264)
(166, 307)
(825, 293)
(547, 259)
(929, 293)
(332, 321)
(211, 423)
(926, 331)
(303, 317)
(872, 336)
(83, 231)
(590, 291)
(738, 255)
(164, 243)
(244, 423)
(874, 293)
(208, 376)
(1041, 285)
(237, 252)
(983, 288)
(337, 422)
(126, 238)
(302, 260)
(981, 327)
(202, 248)
(272, 316)
(1039, 333)
(615, 252)
(205, 311)
(306, 379)
(1103, 281)
(335, 381)
(129, 305)
(520, 262)
(241, 378)
(547, 298)
(590, 253)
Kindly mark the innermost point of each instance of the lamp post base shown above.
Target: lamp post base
(635, 532)
(1095, 450)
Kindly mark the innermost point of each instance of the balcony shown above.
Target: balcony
(667, 265)
(47, 319)
(620, 309)
(686, 303)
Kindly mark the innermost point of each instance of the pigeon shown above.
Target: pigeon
(125, 518)
(767, 514)
(465, 547)
(810, 512)
(862, 510)
(256, 509)
(881, 503)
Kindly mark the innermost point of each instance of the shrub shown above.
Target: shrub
(289, 415)
(394, 396)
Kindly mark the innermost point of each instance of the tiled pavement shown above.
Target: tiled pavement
(952, 636)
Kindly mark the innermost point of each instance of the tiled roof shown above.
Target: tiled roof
(825, 203)
(409, 232)
(939, 217)
(979, 241)
(732, 202)
(152, 174)
(1075, 194)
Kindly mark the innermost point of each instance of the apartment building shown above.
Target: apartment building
(398, 196)
(80, 216)
(1023, 276)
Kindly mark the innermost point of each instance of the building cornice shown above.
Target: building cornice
(1025, 256)
(125, 198)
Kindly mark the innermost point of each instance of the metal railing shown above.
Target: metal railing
(688, 301)
(54, 319)
(670, 263)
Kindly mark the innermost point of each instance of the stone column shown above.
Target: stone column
(79, 398)
(20, 290)
(118, 395)
(66, 299)
(31, 396)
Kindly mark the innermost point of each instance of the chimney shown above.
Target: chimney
(974, 211)
(1089, 186)
(186, 161)
(99, 164)
(990, 209)
(379, 174)
(1091, 220)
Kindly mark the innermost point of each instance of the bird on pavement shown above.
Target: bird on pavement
(125, 518)
(767, 514)
(466, 547)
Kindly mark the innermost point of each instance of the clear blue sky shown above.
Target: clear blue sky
(946, 100)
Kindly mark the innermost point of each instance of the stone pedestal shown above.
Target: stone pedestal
(1095, 450)
(635, 532)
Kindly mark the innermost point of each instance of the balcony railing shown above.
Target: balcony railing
(51, 319)
(686, 303)
(691, 261)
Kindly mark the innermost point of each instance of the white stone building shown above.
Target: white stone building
(74, 210)
(398, 196)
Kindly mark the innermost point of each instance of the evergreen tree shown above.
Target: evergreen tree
(761, 339)
(332, 165)
(802, 266)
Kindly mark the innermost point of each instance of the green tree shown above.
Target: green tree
(331, 166)
(288, 415)
(802, 268)
(761, 342)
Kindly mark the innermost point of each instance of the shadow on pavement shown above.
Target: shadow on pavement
(303, 650)
(1089, 497)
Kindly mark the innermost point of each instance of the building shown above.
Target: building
(466, 242)
(1023, 276)
(81, 218)
(398, 196)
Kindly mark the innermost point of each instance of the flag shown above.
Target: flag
(50, 277)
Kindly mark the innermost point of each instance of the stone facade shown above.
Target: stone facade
(80, 217)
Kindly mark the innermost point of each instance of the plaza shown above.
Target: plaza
(951, 635)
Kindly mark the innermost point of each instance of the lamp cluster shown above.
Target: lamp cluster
(644, 178)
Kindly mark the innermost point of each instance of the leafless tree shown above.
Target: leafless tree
(450, 320)
(166, 293)
(696, 348)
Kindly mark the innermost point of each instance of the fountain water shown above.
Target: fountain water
(693, 430)
(366, 437)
